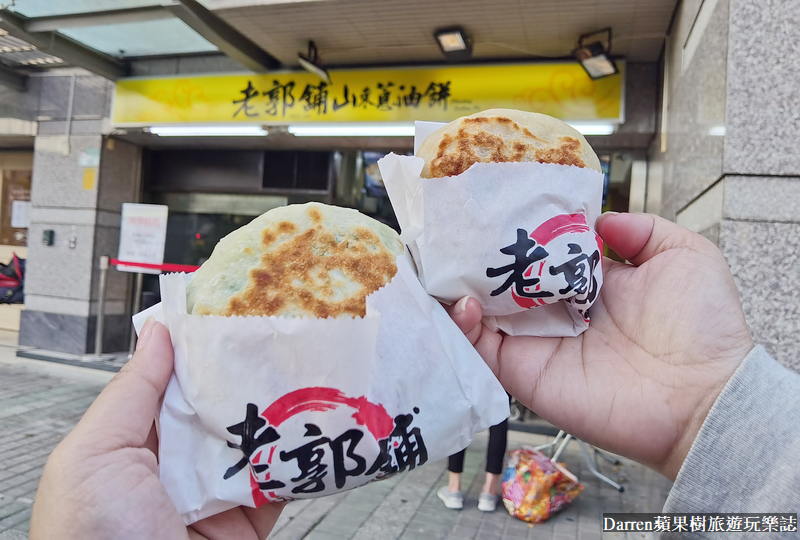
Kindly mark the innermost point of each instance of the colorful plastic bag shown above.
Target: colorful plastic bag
(534, 487)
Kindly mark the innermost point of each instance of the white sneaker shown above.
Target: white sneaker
(487, 502)
(454, 501)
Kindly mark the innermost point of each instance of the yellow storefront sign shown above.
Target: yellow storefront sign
(440, 94)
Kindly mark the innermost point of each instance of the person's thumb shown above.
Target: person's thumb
(640, 237)
(466, 313)
(123, 413)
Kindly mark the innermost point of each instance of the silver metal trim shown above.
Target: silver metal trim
(67, 49)
(96, 18)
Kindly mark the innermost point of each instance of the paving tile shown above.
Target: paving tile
(7, 511)
(564, 537)
(464, 532)
(23, 527)
(515, 524)
(540, 533)
(36, 411)
(499, 516)
(340, 529)
(515, 535)
(408, 492)
(423, 515)
(585, 534)
(22, 489)
(305, 520)
(322, 535)
(491, 529)
(18, 521)
(566, 525)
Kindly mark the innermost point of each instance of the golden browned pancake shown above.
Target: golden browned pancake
(503, 135)
(308, 260)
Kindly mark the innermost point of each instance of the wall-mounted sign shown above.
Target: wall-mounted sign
(89, 158)
(142, 235)
(16, 196)
(437, 94)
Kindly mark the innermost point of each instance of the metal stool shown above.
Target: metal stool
(585, 451)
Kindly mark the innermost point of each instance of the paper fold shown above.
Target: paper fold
(349, 400)
(518, 237)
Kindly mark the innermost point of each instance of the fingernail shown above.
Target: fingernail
(147, 331)
(462, 304)
(604, 215)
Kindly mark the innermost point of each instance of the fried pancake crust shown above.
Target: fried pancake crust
(503, 135)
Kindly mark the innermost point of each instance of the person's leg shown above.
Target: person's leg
(496, 451)
(453, 482)
(451, 494)
(455, 466)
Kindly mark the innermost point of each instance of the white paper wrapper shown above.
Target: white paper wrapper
(518, 237)
(318, 405)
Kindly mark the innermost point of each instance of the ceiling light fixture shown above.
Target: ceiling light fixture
(352, 130)
(454, 43)
(208, 131)
(312, 64)
(595, 56)
(589, 128)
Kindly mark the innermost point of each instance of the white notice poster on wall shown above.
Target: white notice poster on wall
(142, 234)
(19, 214)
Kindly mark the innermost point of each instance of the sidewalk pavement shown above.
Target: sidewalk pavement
(407, 508)
(40, 402)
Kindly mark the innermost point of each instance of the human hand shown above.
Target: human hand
(102, 480)
(665, 336)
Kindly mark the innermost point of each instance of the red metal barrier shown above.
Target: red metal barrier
(166, 267)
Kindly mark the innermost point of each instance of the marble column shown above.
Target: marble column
(760, 228)
(80, 178)
(728, 152)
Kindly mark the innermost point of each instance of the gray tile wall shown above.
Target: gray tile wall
(53, 331)
(117, 283)
(745, 198)
(120, 169)
(760, 233)
(120, 174)
(763, 98)
(217, 63)
(58, 271)
(760, 237)
(759, 198)
(692, 160)
(58, 179)
(742, 78)
(92, 97)
(62, 283)
(742, 190)
(641, 98)
(765, 261)
(71, 333)
(641, 101)
(755, 220)
(60, 203)
(77, 127)
(15, 104)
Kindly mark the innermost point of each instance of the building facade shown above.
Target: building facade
(726, 160)
(709, 140)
